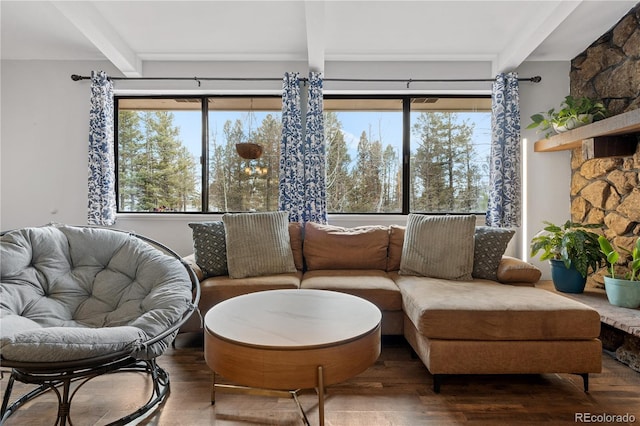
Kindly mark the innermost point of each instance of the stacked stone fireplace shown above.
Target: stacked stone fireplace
(607, 190)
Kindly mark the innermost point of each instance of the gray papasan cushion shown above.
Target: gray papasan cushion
(70, 293)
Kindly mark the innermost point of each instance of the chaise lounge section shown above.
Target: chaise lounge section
(488, 328)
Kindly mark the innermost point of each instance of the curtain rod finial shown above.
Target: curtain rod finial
(76, 77)
(536, 79)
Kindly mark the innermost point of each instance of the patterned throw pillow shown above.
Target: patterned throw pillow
(210, 248)
(490, 244)
(438, 246)
(258, 244)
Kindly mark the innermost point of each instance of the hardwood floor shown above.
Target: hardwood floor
(396, 390)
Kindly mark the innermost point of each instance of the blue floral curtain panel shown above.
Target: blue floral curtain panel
(302, 152)
(315, 205)
(504, 174)
(102, 194)
(291, 185)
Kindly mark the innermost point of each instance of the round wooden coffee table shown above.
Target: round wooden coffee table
(274, 341)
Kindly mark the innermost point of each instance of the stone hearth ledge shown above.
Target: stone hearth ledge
(625, 319)
(620, 331)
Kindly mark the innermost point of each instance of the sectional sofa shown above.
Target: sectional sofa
(463, 306)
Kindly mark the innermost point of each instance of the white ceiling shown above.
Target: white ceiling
(128, 33)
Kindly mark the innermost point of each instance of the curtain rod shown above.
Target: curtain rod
(536, 79)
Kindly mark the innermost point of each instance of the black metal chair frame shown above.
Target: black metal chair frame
(60, 376)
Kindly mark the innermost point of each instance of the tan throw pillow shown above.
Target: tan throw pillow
(258, 244)
(438, 246)
(334, 247)
(512, 270)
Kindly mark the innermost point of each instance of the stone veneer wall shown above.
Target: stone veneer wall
(607, 190)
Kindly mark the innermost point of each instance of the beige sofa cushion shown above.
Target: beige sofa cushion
(258, 244)
(370, 284)
(438, 246)
(216, 289)
(486, 310)
(334, 247)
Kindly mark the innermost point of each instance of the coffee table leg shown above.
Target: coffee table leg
(320, 396)
(213, 388)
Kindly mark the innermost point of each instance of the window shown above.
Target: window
(363, 150)
(449, 155)
(168, 163)
(236, 184)
(445, 141)
(394, 154)
(158, 144)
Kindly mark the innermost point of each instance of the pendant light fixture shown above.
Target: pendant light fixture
(249, 150)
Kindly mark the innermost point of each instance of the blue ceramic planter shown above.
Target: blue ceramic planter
(623, 293)
(566, 280)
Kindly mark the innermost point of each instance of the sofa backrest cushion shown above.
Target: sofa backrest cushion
(334, 247)
(396, 240)
(295, 237)
(438, 246)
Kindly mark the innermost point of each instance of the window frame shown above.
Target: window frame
(204, 154)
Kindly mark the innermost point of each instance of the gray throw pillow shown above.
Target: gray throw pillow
(258, 244)
(438, 246)
(210, 248)
(490, 244)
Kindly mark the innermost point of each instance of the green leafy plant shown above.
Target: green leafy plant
(572, 243)
(613, 256)
(573, 112)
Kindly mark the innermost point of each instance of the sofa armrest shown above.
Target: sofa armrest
(191, 261)
(517, 272)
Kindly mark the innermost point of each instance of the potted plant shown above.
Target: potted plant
(572, 251)
(573, 112)
(622, 291)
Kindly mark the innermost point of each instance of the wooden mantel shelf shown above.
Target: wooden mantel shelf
(621, 124)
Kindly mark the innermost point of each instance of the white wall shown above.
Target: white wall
(547, 175)
(45, 115)
(45, 121)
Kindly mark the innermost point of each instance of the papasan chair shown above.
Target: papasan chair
(78, 302)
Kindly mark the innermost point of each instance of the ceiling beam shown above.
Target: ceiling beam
(542, 24)
(314, 13)
(84, 16)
